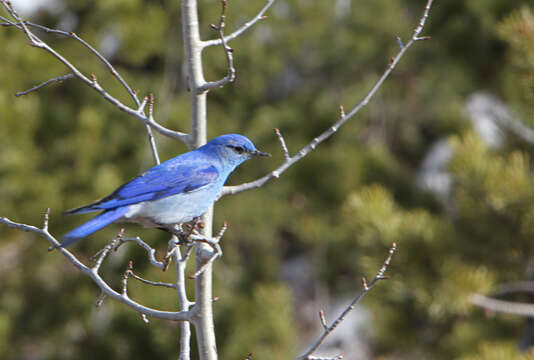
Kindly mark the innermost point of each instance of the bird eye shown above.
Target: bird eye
(239, 149)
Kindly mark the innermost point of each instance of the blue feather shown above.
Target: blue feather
(173, 192)
(93, 225)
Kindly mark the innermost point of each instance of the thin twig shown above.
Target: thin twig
(37, 42)
(101, 255)
(230, 190)
(153, 283)
(144, 318)
(214, 243)
(323, 319)
(100, 300)
(108, 65)
(228, 51)
(399, 41)
(125, 276)
(242, 29)
(365, 289)
(338, 357)
(46, 219)
(151, 140)
(150, 251)
(53, 80)
(283, 144)
(168, 315)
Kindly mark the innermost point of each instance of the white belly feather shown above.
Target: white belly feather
(175, 209)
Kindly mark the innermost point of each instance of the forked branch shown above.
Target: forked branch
(94, 275)
(230, 190)
(242, 29)
(91, 81)
(228, 51)
(366, 287)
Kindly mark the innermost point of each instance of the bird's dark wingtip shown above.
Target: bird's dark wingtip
(66, 241)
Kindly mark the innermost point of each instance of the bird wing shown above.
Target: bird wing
(172, 177)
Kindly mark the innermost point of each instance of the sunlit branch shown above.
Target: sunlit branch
(366, 287)
(105, 288)
(503, 306)
(242, 29)
(230, 190)
(53, 80)
(35, 41)
(228, 51)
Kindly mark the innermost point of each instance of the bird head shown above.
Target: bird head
(234, 148)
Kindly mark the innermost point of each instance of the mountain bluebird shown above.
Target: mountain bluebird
(174, 192)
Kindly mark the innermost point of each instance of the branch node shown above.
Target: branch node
(323, 319)
(46, 218)
(364, 284)
(230, 76)
(151, 107)
(285, 150)
(100, 300)
(144, 318)
(422, 38)
(399, 41)
(125, 276)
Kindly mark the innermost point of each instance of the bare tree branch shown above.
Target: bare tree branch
(228, 51)
(125, 277)
(150, 251)
(185, 326)
(101, 255)
(242, 29)
(153, 283)
(53, 80)
(214, 243)
(515, 287)
(168, 315)
(230, 190)
(380, 275)
(108, 65)
(203, 319)
(338, 357)
(283, 144)
(38, 43)
(503, 306)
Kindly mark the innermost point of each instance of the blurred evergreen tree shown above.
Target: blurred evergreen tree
(341, 207)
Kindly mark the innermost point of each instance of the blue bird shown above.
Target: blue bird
(174, 192)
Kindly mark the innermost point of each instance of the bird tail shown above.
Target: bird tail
(93, 225)
(85, 209)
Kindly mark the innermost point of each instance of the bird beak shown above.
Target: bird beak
(259, 153)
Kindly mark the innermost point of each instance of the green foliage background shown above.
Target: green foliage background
(341, 207)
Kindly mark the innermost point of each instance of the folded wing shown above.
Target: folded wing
(172, 177)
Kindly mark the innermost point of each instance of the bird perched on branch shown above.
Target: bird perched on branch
(174, 192)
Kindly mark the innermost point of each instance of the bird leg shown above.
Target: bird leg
(214, 243)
